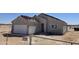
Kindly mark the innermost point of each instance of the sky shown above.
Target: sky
(70, 18)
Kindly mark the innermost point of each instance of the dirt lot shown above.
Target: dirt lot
(71, 36)
(11, 40)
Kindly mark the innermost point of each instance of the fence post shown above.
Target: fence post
(71, 43)
(30, 40)
(7, 40)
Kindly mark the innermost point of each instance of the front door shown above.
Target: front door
(42, 27)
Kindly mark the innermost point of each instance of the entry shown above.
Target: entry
(42, 27)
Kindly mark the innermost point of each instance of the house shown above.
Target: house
(73, 27)
(41, 23)
(51, 25)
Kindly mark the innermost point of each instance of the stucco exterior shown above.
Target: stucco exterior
(43, 23)
(48, 21)
(21, 20)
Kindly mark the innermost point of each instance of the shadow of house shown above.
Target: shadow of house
(13, 35)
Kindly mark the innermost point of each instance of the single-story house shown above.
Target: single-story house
(41, 23)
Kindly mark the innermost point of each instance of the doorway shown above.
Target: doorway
(42, 27)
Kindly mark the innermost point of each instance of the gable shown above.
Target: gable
(19, 20)
(40, 19)
(52, 19)
(22, 20)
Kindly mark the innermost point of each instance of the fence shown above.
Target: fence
(16, 40)
(43, 38)
(35, 40)
(24, 40)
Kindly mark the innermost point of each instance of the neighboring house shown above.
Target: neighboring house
(74, 27)
(42, 23)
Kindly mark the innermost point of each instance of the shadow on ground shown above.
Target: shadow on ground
(12, 35)
(22, 35)
(49, 34)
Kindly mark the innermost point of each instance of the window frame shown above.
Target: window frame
(53, 26)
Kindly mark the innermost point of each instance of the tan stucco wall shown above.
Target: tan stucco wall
(58, 30)
(47, 22)
(60, 25)
(42, 20)
(19, 20)
(23, 21)
(51, 21)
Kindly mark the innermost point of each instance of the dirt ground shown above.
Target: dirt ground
(11, 40)
(71, 36)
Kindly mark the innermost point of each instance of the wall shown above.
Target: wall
(42, 20)
(59, 29)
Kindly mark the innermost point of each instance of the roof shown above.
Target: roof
(26, 17)
(30, 19)
(52, 17)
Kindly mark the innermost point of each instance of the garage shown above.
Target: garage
(32, 29)
(20, 29)
(24, 25)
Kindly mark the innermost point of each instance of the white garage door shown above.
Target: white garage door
(32, 29)
(21, 29)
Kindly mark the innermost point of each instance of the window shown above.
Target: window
(54, 26)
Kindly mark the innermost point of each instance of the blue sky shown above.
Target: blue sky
(70, 18)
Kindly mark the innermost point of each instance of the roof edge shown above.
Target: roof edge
(52, 17)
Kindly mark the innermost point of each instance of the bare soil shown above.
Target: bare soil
(71, 36)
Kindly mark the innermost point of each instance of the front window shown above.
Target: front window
(54, 26)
